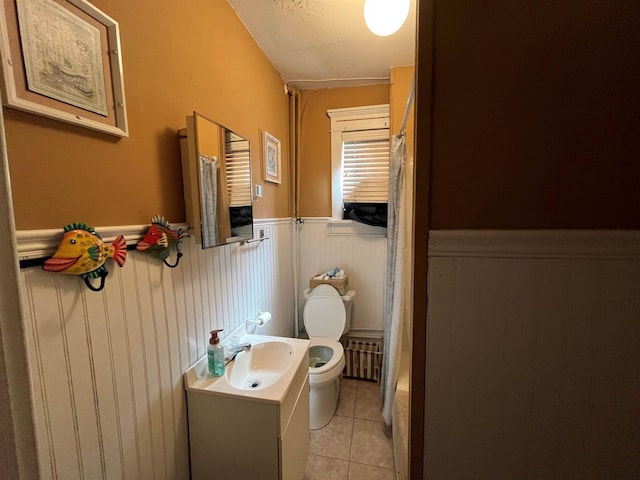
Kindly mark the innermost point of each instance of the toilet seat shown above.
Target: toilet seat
(336, 357)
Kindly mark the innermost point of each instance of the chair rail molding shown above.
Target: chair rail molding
(602, 244)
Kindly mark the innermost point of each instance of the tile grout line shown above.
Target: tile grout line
(355, 400)
(355, 403)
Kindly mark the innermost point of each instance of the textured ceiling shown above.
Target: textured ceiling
(325, 43)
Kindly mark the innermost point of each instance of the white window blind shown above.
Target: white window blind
(365, 166)
(238, 164)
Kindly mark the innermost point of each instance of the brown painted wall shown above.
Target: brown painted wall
(315, 140)
(531, 122)
(535, 115)
(176, 59)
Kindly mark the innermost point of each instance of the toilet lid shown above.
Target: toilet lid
(324, 314)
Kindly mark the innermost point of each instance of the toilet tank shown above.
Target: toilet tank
(347, 299)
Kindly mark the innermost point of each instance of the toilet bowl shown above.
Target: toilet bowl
(324, 320)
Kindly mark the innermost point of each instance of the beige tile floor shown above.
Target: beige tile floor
(354, 445)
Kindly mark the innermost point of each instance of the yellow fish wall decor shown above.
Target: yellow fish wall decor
(82, 252)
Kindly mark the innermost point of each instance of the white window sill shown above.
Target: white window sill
(349, 227)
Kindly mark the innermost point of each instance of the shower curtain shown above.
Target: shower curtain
(209, 199)
(394, 273)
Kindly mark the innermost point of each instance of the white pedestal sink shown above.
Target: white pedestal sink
(252, 422)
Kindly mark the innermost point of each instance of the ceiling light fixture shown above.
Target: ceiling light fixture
(385, 17)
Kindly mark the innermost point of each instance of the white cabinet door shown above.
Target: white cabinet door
(294, 444)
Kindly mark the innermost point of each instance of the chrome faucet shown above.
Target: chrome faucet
(235, 350)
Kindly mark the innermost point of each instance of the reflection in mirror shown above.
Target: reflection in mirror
(238, 167)
(216, 170)
(208, 186)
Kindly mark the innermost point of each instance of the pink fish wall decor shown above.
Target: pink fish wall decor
(160, 239)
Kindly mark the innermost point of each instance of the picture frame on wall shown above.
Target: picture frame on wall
(271, 158)
(62, 60)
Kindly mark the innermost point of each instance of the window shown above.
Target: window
(360, 163)
(365, 166)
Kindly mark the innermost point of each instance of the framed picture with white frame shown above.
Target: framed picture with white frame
(271, 158)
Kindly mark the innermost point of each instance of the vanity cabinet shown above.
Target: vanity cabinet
(247, 437)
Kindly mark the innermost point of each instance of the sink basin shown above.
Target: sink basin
(260, 367)
(264, 373)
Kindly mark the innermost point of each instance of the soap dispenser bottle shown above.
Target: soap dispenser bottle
(215, 354)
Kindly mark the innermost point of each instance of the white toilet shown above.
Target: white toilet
(327, 316)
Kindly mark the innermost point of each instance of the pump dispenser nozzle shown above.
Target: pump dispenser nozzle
(214, 337)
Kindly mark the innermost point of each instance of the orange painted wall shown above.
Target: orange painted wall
(315, 140)
(177, 58)
(400, 87)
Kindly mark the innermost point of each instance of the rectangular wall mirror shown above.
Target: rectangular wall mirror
(216, 174)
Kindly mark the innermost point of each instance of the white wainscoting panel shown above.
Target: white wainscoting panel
(107, 367)
(363, 257)
(533, 363)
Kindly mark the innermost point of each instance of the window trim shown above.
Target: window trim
(350, 119)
